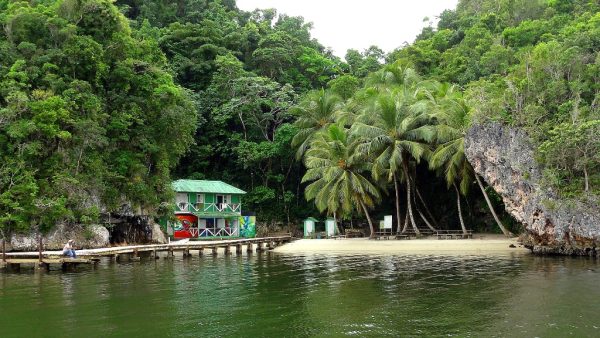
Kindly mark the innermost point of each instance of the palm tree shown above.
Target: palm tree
(336, 168)
(452, 113)
(396, 134)
(316, 112)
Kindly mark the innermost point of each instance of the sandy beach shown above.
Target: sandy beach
(480, 244)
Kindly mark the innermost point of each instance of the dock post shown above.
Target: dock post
(259, 247)
(249, 249)
(44, 266)
(135, 257)
(227, 250)
(201, 252)
(214, 250)
(238, 249)
(270, 245)
(3, 250)
(154, 256)
(186, 252)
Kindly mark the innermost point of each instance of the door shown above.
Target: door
(330, 228)
(310, 228)
(220, 201)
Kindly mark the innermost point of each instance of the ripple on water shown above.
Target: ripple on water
(308, 295)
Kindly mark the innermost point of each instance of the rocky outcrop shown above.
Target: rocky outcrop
(124, 228)
(135, 229)
(89, 237)
(158, 236)
(504, 157)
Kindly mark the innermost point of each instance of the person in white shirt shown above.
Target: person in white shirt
(68, 249)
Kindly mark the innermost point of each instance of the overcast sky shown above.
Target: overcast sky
(345, 24)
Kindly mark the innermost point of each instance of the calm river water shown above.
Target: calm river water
(275, 295)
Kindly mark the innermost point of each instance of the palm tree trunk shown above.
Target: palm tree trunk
(364, 207)
(409, 198)
(462, 222)
(419, 210)
(427, 209)
(405, 227)
(425, 220)
(489, 203)
(396, 188)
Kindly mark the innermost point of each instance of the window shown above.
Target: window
(200, 198)
(181, 199)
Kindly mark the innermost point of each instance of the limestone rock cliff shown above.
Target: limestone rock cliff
(504, 157)
(89, 237)
(126, 226)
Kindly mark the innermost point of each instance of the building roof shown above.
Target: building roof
(201, 186)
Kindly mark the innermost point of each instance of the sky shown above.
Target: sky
(357, 24)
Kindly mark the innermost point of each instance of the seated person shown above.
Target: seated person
(68, 250)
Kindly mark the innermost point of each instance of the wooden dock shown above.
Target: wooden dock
(44, 259)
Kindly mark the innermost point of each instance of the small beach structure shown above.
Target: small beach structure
(330, 227)
(310, 226)
(207, 209)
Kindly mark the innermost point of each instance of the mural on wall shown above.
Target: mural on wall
(248, 226)
(186, 227)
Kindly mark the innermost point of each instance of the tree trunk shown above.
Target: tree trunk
(336, 224)
(40, 249)
(364, 207)
(409, 198)
(396, 188)
(460, 217)
(405, 227)
(489, 203)
(587, 179)
(419, 210)
(425, 220)
(427, 209)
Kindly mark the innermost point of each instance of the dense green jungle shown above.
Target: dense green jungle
(103, 103)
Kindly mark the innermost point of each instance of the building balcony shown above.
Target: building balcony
(209, 208)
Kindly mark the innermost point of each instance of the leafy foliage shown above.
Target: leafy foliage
(83, 109)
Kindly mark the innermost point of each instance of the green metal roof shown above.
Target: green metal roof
(217, 187)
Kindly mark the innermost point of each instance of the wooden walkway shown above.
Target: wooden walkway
(133, 252)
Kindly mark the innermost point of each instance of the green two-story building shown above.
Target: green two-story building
(207, 209)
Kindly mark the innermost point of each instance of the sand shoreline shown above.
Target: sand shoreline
(480, 244)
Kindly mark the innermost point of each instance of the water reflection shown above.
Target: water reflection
(309, 295)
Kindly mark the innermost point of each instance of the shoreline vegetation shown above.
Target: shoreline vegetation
(104, 103)
(480, 244)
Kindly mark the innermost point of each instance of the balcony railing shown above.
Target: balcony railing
(209, 207)
(219, 232)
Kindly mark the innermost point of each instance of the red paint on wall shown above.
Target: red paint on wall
(188, 228)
